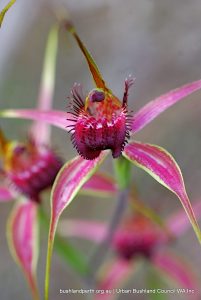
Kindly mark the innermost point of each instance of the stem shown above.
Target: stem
(100, 253)
(122, 171)
(48, 262)
(34, 289)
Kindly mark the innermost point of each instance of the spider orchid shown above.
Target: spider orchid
(4, 11)
(99, 123)
(141, 236)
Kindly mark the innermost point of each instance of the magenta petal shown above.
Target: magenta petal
(114, 276)
(52, 117)
(154, 108)
(22, 234)
(161, 166)
(100, 184)
(5, 195)
(89, 230)
(177, 270)
(178, 223)
(68, 182)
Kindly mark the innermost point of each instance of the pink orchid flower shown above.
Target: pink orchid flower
(100, 122)
(27, 170)
(139, 237)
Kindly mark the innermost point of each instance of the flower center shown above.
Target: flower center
(100, 122)
(31, 169)
(139, 237)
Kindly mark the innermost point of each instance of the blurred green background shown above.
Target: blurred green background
(159, 42)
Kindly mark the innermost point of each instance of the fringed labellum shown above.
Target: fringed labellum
(30, 169)
(100, 122)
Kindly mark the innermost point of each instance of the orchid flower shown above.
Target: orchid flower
(5, 9)
(98, 123)
(139, 237)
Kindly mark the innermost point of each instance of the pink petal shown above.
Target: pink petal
(154, 108)
(41, 130)
(67, 184)
(100, 184)
(22, 234)
(178, 223)
(89, 230)
(161, 166)
(178, 271)
(5, 195)
(115, 275)
(52, 117)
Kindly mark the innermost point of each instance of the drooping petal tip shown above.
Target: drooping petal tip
(161, 166)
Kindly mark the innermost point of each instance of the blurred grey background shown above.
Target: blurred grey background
(159, 42)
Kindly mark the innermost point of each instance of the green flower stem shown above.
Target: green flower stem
(122, 171)
(65, 250)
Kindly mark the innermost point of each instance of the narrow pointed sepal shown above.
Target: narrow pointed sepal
(155, 107)
(53, 117)
(41, 130)
(98, 79)
(22, 235)
(4, 10)
(158, 163)
(67, 184)
(178, 223)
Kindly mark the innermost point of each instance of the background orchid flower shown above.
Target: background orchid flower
(99, 122)
(27, 170)
(140, 237)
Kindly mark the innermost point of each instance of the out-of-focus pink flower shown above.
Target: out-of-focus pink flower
(27, 170)
(139, 237)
